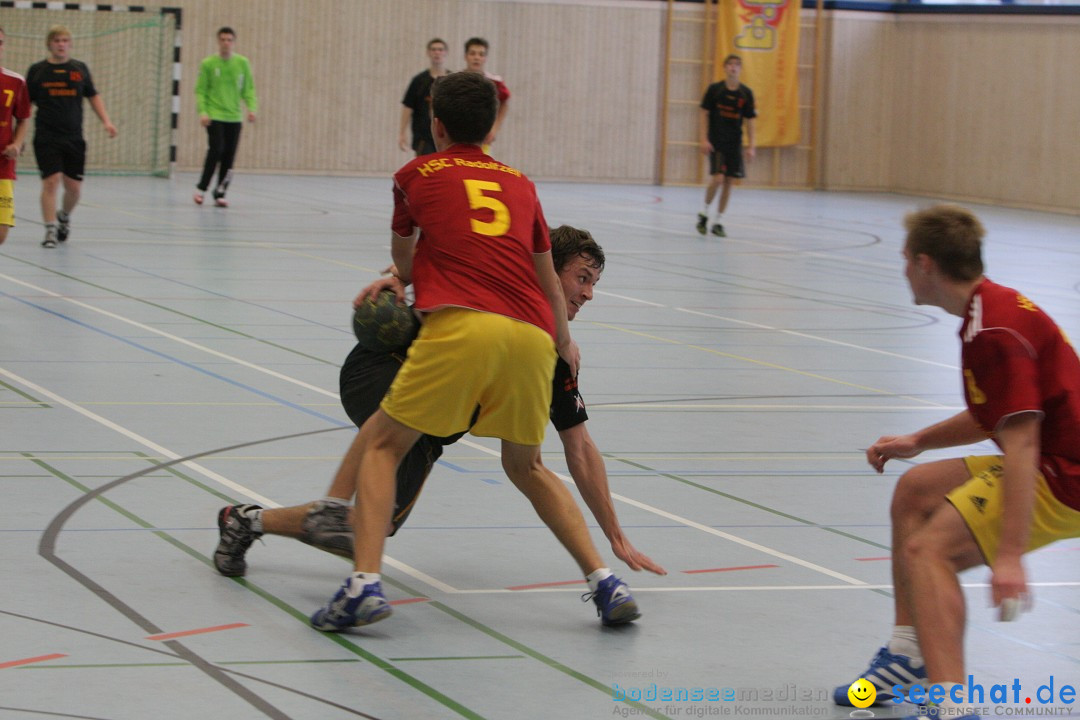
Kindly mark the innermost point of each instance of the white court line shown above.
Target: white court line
(266, 502)
(698, 526)
(807, 336)
(736, 588)
(689, 405)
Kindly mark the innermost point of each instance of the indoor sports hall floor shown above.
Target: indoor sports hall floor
(171, 359)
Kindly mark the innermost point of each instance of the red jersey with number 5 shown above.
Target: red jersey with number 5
(480, 226)
(14, 105)
(1016, 359)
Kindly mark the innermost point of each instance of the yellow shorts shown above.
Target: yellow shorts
(979, 501)
(7, 203)
(465, 358)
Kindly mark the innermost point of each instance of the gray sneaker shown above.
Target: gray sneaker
(328, 527)
(236, 537)
(63, 225)
(50, 237)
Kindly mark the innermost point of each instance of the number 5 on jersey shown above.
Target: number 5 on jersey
(475, 189)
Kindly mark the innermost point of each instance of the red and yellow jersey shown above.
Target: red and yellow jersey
(14, 105)
(480, 226)
(1015, 359)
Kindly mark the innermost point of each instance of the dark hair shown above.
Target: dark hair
(432, 41)
(466, 104)
(569, 242)
(476, 41)
(949, 235)
(731, 57)
(224, 30)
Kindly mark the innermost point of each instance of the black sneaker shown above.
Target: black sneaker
(327, 527)
(50, 237)
(718, 230)
(236, 537)
(63, 226)
(702, 223)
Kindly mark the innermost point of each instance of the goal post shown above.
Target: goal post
(133, 53)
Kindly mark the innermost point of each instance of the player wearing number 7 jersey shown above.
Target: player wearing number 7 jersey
(470, 234)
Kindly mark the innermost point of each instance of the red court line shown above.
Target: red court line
(201, 631)
(729, 569)
(874, 559)
(28, 661)
(548, 584)
(407, 601)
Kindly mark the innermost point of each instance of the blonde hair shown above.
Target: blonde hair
(951, 235)
(56, 31)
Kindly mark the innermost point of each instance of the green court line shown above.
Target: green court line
(344, 642)
(757, 506)
(29, 398)
(462, 657)
(174, 311)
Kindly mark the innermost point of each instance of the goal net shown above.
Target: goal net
(131, 52)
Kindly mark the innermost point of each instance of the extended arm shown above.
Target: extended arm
(1019, 440)
(401, 250)
(587, 468)
(960, 429)
(752, 149)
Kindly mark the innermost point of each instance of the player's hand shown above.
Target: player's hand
(751, 152)
(110, 129)
(251, 116)
(707, 148)
(633, 558)
(12, 151)
(572, 355)
(891, 446)
(403, 143)
(1008, 587)
(391, 282)
(204, 120)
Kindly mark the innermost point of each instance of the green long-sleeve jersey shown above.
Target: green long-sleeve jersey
(222, 84)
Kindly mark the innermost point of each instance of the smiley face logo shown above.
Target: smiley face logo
(862, 693)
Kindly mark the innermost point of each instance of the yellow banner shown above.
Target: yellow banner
(765, 34)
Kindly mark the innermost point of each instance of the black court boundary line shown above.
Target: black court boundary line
(47, 550)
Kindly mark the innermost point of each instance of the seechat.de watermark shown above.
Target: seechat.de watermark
(1001, 699)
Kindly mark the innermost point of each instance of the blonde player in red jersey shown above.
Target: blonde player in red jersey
(1022, 390)
(14, 113)
(469, 233)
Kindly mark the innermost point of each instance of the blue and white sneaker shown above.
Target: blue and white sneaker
(343, 612)
(614, 603)
(886, 671)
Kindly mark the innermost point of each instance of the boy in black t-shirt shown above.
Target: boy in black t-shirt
(57, 85)
(416, 105)
(725, 105)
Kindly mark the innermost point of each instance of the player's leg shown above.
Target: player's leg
(215, 138)
(50, 185)
(72, 194)
(7, 208)
(360, 601)
(231, 136)
(918, 494)
(715, 179)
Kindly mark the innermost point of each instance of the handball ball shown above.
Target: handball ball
(384, 326)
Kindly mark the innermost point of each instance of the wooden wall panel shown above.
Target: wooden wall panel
(584, 80)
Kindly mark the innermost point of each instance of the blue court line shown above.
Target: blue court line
(218, 294)
(178, 361)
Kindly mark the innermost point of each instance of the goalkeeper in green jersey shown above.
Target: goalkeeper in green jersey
(224, 82)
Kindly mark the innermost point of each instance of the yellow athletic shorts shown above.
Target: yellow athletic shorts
(7, 202)
(464, 359)
(979, 501)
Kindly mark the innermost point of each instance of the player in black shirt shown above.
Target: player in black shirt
(57, 85)
(725, 105)
(416, 105)
(367, 375)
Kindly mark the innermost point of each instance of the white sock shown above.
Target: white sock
(904, 641)
(596, 576)
(358, 580)
(255, 516)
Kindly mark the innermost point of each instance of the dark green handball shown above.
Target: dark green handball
(384, 326)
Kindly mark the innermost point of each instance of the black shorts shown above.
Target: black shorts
(365, 377)
(727, 159)
(60, 154)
